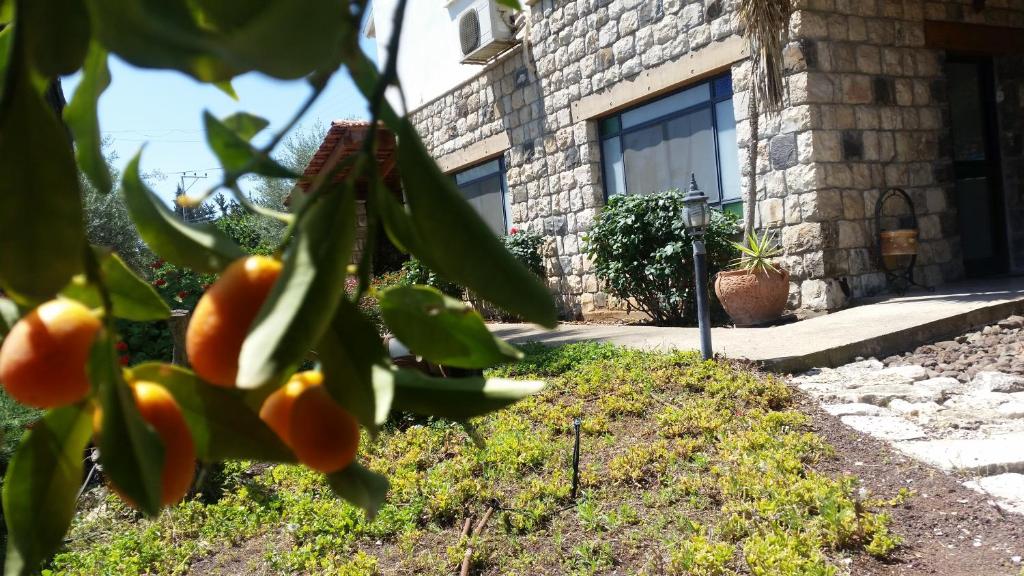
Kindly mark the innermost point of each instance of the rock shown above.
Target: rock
(884, 427)
(868, 365)
(1011, 410)
(912, 372)
(997, 382)
(882, 394)
(1013, 322)
(983, 456)
(854, 409)
(1007, 489)
(914, 408)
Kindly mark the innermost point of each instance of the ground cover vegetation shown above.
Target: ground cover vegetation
(64, 297)
(687, 467)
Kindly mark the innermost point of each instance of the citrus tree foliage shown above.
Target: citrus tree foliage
(44, 250)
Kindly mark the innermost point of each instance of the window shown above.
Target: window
(655, 146)
(484, 187)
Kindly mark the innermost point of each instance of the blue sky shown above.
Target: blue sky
(163, 110)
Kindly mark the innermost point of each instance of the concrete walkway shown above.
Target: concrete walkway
(875, 328)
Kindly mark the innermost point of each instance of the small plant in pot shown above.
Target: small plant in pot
(756, 289)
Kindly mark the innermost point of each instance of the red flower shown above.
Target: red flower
(182, 294)
(124, 360)
(514, 231)
(157, 263)
(160, 282)
(121, 347)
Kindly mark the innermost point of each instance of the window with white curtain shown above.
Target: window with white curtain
(657, 145)
(484, 188)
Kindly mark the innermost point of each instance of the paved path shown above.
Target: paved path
(877, 328)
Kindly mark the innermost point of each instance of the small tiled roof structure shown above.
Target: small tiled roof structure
(345, 138)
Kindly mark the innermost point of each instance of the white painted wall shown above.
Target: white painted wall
(429, 53)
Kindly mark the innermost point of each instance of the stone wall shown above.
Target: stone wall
(864, 112)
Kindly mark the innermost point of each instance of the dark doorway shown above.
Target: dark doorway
(977, 173)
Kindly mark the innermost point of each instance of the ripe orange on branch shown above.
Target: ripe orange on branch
(322, 434)
(159, 409)
(223, 316)
(43, 358)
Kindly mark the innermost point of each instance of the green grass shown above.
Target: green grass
(15, 417)
(687, 468)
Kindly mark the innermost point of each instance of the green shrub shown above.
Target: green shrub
(417, 273)
(525, 246)
(642, 252)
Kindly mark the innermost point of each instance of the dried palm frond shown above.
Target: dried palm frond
(766, 24)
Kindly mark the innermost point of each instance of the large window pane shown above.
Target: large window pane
(646, 160)
(614, 178)
(691, 149)
(728, 152)
(487, 197)
(668, 105)
(485, 169)
(662, 156)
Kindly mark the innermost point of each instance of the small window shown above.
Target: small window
(484, 188)
(657, 145)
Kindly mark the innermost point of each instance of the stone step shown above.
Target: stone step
(1006, 489)
(980, 456)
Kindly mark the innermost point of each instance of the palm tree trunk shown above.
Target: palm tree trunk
(750, 196)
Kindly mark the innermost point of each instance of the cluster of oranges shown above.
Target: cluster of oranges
(43, 364)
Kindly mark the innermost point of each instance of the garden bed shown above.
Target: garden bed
(687, 467)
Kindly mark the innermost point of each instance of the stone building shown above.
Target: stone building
(590, 98)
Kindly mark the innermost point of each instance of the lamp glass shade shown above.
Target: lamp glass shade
(696, 213)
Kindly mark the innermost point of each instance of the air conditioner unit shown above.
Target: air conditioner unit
(485, 30)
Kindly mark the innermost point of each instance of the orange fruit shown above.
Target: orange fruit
(161, 411)
(43, 358)
(322, 434)
(223, 316)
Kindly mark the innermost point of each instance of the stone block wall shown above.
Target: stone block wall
(865, 110)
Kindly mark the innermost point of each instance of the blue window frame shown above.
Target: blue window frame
(485, 189)
(655, 146)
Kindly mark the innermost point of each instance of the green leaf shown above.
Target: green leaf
(461, 248)
(397, 223)
(223, 426)
(42, 236)
(245, 125)
(235, 153)
(305, 297)
(226, 87)
(56, 34)
(81, 117)
(214, 40)
(41, 487)
(6, 42)
(360, 487)
(131, 451)
(201, 246)
(454, 398)
(442, 329)
(9, 315)
(511, 4)
(348, 350)
(132, 297)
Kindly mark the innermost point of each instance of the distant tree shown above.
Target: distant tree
(107, 223)
(294, 153)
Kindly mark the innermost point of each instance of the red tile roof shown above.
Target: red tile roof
(345, 138)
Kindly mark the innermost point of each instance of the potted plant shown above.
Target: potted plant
(755, 290)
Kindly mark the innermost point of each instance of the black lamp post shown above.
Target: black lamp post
(696, 217)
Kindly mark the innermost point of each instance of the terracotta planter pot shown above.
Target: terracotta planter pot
(751, 298)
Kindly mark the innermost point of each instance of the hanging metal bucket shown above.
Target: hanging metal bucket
(899, 242)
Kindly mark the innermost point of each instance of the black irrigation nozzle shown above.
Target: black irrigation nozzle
(575, 459)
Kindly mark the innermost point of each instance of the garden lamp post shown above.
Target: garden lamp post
(696, 217)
